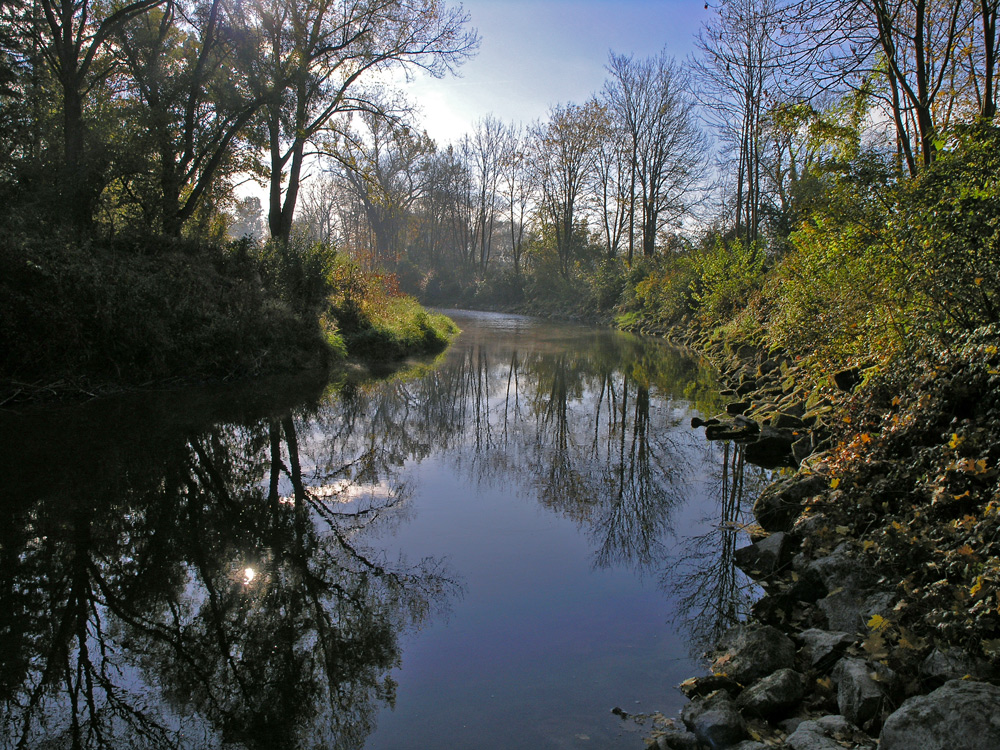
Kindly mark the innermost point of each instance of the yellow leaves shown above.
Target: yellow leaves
(969, 466)
(878, 623)
(875, 646)
(976, 587)
(978, 281)
(866, 438)
(956, 440)
(991, 349)
(834, 483)
(896, 400)
(868, 545)
(825, 683)
(843, 530)
(966, 551)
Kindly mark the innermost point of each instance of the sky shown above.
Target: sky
(537, 54)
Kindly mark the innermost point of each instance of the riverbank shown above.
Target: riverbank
(877, 548)
(79, 320)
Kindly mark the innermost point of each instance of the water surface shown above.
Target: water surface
(490, 551)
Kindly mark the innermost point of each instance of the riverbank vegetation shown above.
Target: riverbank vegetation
(127, 253)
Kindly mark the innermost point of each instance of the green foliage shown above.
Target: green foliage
(375, 320)
(658, 291)
(726, 275)
(299, 272)
(950, 225)
(127, 314)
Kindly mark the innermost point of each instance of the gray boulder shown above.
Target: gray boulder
(959, 715)
(828, 733)
(676, 739)
(850, 608)
(714, 721)
(749, 652)
(772, 695)
(822, 648)
(762, 559)
(953, 664)
(772, 448)
(781, 502)
(859, 695)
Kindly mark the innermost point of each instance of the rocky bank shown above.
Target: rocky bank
(878, 549)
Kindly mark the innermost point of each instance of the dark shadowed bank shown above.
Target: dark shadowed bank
(84, 318)
(877, 549)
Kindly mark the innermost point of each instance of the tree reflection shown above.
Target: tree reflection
(712, 593)
(212, 582)
(212, 596)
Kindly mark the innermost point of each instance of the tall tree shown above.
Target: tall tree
(516, 190)
(483, 151)
(651, 102)
(186, 67)
(562, 158)
(739, 70)
(317, 54)
(71, 36)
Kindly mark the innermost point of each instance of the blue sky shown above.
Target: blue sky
(536, 54)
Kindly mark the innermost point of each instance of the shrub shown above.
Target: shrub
(950, 227)
(726, 275)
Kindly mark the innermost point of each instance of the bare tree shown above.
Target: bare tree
(384, 168)
(651, 107)
(314, 58)
(516, 190)
(739, 69)
(562, 158)
(484, 150)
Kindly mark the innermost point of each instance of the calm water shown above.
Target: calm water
(489, 551)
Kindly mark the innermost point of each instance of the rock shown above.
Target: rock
(772, 695)
(859, 695)
(802, 448)
(847, 380)
(714, 721)
(771, 449)
(762, 559)
(850, 608)
(750, 652)
(822, 648)
(960, 715)
(737, 408)
(953, 664)
(768, 366)
(781, 502)
(747, 424)
(828, 733)
(697, 422)
(841, 569)
(725, 432)
(749, 745)
(783, 420)
(699, 686)
(676, 739)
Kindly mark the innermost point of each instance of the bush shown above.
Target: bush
(950, 226)
(726, 275)
(111, 313)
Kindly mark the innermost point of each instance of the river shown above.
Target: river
(487, 550)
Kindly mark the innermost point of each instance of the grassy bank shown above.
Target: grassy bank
(100, 316)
